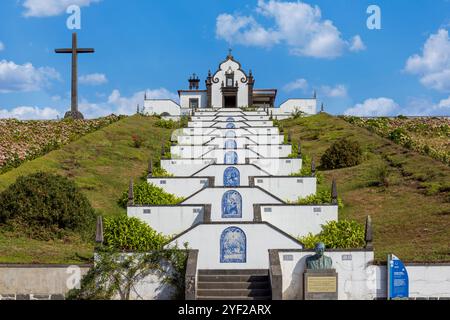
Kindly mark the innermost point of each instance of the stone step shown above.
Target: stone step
(233, 292)
(232, 278)
(234, 298)
(234, 285)
(254, 272)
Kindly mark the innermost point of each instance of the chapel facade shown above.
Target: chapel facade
(229, 87)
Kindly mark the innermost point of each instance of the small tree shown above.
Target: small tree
(342, 154)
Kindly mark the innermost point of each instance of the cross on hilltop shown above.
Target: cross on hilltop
(74, 113)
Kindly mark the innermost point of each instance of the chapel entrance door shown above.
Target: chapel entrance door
(230, 101)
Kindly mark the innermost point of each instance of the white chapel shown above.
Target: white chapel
(229, 87)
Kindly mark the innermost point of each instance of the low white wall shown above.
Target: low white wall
(272, 151)
(193, 140)
(169, 220)
(159, 106)
(279, 167)
(298, 220)
(213, 196)
(39, 279)
(190, 152)
(359, 279)
(240, 132)
(260, 238)
(356, 277)
(219, 155)
(425, 280)
(288, 188)
(217, 171)
(184, 167)
(181, 187)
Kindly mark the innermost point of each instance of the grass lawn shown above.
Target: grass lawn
(411, 215)
(101, 163)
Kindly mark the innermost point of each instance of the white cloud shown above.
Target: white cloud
(2, 46)
(29, 113)
(426, 107)
(299, 84)
(24, 78)
(373, 108)
(48, 8)
(338, 91)
(94, 79)
(297, 24)
(433, 66)
(357, 44)
(119, 104)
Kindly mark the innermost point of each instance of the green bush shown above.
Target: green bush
(167, 124)
(321, 197)
(342, 154)
(148, 193)
(159, 172)
(343, 234)
(131, 235)
(307, 172)
(43, 205)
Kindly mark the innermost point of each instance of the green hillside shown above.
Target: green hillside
(411, 215)
(101, 163)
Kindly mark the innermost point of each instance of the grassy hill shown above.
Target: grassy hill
(101, 163)
(411, 215)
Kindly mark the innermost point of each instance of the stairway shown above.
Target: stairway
(233, 285)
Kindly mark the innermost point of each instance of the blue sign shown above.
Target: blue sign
(398, 281)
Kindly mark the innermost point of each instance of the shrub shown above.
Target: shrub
(131, 234)
(343, 234)
(159, 172)
(321, 197)
(44, 202)
(137, 141)
(342, 154)
(167, 124)
(148, 193)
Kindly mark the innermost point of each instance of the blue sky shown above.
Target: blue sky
(296, 47)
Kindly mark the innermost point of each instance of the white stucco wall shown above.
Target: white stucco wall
(219, 77)
(288, 188)
(307, 106)
(219, 155)
(217, 172)
(159, 106)
(169, 220)
(278, 167)
(250, 196)
(272, 151)
(299, 220)
(356, 277)
(184, 167)
(181, 187)
(185, 96)
(260, 238)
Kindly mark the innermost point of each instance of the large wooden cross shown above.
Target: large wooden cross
(74, 113)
